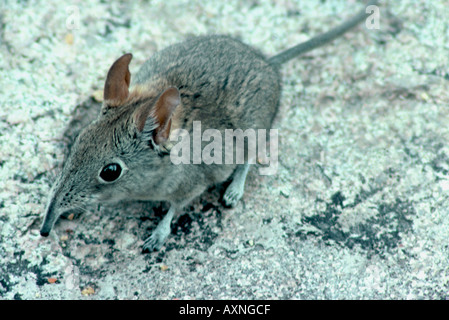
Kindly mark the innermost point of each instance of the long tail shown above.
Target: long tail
(321, 39)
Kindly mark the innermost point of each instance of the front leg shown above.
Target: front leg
(161, 233)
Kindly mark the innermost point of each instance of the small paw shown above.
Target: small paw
(232, 196)
(154, 242)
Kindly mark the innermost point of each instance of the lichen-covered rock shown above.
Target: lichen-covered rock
(357, 209)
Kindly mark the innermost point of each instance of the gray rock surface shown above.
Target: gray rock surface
(357, 209)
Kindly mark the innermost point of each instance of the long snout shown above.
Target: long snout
(50, 218)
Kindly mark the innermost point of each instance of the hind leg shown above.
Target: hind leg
(235, 190)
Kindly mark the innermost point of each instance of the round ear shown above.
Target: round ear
(163, 111)
(117, 81)
(157, 116)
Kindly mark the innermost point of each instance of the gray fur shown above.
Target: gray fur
(222, 82)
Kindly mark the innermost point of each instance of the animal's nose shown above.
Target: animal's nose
(44, 234)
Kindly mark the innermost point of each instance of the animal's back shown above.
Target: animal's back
(223, 83)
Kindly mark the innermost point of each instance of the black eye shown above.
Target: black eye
(111, 172)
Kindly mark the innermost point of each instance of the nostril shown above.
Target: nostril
(44, 234)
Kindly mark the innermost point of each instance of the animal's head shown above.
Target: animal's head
(120, 155)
